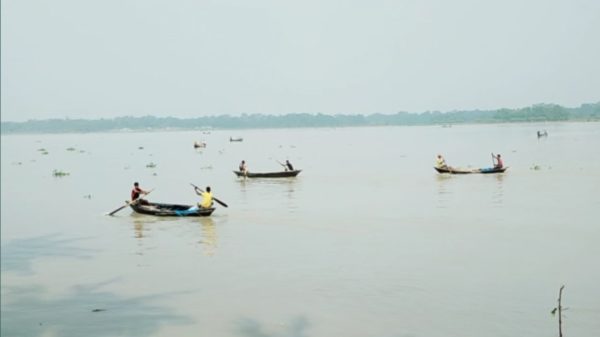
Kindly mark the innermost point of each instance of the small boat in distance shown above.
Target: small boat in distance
(279, 174)
(236, 139)
(452, 170)
(199, 145)
(169, 209)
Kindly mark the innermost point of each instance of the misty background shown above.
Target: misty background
(188, 59)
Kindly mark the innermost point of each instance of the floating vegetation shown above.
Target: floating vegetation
(45, 153)
(154, 174)
(140, 147)
(17, 163)
(535, 168)
(209, 167)
(151, 165)
(89, 196)
(42, 150)
(70, 149)
(81, 151)
(58, 173)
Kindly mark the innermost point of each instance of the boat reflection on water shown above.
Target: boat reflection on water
(209, 236)
(444, 193)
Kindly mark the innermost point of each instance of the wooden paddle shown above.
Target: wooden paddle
(217, 200)
(282, 164)
(127, 203)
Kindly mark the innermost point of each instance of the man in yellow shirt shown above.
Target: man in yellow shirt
(206, 198)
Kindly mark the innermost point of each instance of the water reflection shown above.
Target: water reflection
(209, 236)
(444, 194)
(498, 195)
(288, 183)
(18, 255)
(84, 311)
(140, 224)
(252, 328)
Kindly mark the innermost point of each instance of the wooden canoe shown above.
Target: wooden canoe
(279, 174)
(469, 171)
(169, 209)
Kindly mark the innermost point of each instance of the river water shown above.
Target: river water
(367, 241)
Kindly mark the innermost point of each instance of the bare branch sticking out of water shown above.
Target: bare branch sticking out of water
(560, 309)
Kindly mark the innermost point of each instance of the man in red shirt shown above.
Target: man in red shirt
(136, 192)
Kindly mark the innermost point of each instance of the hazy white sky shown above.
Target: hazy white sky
(187, 58)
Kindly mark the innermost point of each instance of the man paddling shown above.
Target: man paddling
(136, 192)
(440, 162)
(499, 164)
(287, 166)
(207, 198)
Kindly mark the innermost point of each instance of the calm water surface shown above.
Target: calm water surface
(367, 241)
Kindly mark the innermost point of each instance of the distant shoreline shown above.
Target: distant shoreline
(534, 114)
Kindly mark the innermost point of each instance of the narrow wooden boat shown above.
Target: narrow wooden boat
(469, 171)
(280, 174)
(169, 209)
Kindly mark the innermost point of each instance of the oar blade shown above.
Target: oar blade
(118, 209)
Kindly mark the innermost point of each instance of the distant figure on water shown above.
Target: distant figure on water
(243, 167)
(288, 165)
(498, 164)
(440, 162)
(542, 133)
(136, 192)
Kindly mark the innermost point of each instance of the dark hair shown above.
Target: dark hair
(207, 188)
(136, 184)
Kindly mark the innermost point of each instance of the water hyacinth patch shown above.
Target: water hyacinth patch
(58, 173)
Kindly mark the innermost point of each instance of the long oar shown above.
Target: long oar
(282, 164)
(217, 200)
(127, 203)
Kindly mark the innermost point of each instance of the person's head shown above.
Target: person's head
(207, 188)
(243, 162)
(136, 184)
(439, 156)
(287, 161)
(499, 155)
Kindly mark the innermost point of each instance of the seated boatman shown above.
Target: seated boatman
(288, 165)
(206, 199)
(440, 162)
(136, 192)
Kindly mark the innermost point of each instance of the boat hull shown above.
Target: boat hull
(281, 174)
(158, 209)
(463, 171)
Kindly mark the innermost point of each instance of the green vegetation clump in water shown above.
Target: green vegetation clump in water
(70, 149)
(58, 173)
(150, 165)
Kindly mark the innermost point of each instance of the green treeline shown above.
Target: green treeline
(535, 113)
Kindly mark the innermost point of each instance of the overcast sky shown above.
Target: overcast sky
(187, 58)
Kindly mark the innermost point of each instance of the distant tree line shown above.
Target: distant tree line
(535, 113)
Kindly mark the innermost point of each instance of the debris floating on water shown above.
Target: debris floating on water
(58, 173)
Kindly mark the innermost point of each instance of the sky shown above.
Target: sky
(191, 58)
